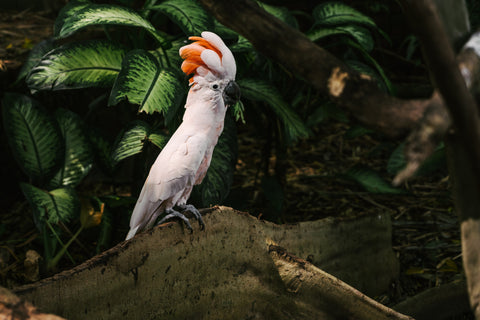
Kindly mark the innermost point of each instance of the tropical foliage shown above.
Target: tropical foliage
(131, 54)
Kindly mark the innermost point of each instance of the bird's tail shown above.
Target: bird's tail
(144, 215)
(132, 232)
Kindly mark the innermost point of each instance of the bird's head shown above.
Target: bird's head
(212, 65)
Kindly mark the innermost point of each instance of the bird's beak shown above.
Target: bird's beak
(231, 94)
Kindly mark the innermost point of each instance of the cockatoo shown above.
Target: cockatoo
(184, 161)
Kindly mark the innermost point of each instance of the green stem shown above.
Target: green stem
(52, 263)
(59, 241)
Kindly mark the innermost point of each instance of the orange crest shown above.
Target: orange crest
(192, 55)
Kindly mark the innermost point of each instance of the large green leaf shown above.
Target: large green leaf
(103, 14)
(324, 112)
(34, 57)
(216, 184)
(33, 135)
(373, 62)
(142, 81)
(337, 13)
(361, 35)
(78, 65)
(435, 161)
(189, 15)
(242, 45)
(52, 206)
(78, 152)
(133, 138)
(366, 69)
(371, 181)
(281, 13)
(70, 9)
(260, 90)
(169, 57)
(102, 149)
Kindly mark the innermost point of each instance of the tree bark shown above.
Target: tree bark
(235, 269)
(355, 92)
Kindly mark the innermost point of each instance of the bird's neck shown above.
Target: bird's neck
(205, 116)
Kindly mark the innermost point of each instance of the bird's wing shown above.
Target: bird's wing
(173, 171)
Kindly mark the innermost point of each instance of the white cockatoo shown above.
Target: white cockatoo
(184, 161)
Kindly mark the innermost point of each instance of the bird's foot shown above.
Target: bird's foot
(175, 214)
(195, 212)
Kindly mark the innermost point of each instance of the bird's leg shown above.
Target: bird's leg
(195, 212)
(175, 214)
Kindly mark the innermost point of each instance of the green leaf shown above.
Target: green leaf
(325, 112)
(281, 13)
(142, 81)
(435, 161)
(242, 45)
(397, 160)
(169, 57)
(133, 138)
(70, 9)
(102, 149)
(34, 57)
(372, 61)
(361, 35)
(158, 139)
(367, 70)
(371, 181)
(130, 141)
(357, 131)
(78, 152)
(53, 206)
(189, 15)
(77, 65)
(104, 14)
(33, 135)
(238, 110)
(260, 90)
(337, 13)
(218, 180)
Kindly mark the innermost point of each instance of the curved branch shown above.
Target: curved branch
(351, 90)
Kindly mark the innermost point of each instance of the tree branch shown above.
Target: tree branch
(349, 89)
(428, 119)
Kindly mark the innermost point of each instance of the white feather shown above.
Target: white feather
(184, 161)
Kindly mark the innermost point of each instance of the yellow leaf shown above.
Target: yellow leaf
(415, 270)
(89, 217)
(447, 265)
(27, 44)
(9, 46)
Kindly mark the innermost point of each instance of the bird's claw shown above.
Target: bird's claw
(175, 214)
(195, 212)
(170, 214)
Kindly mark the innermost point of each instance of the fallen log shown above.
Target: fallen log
(234, 269)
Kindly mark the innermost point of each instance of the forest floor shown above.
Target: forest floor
(426, 235)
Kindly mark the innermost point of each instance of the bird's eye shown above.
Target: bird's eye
(215, 86)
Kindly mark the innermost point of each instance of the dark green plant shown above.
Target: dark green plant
(133, 58)
(54, 153)
(353, 29)
(136, 63)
